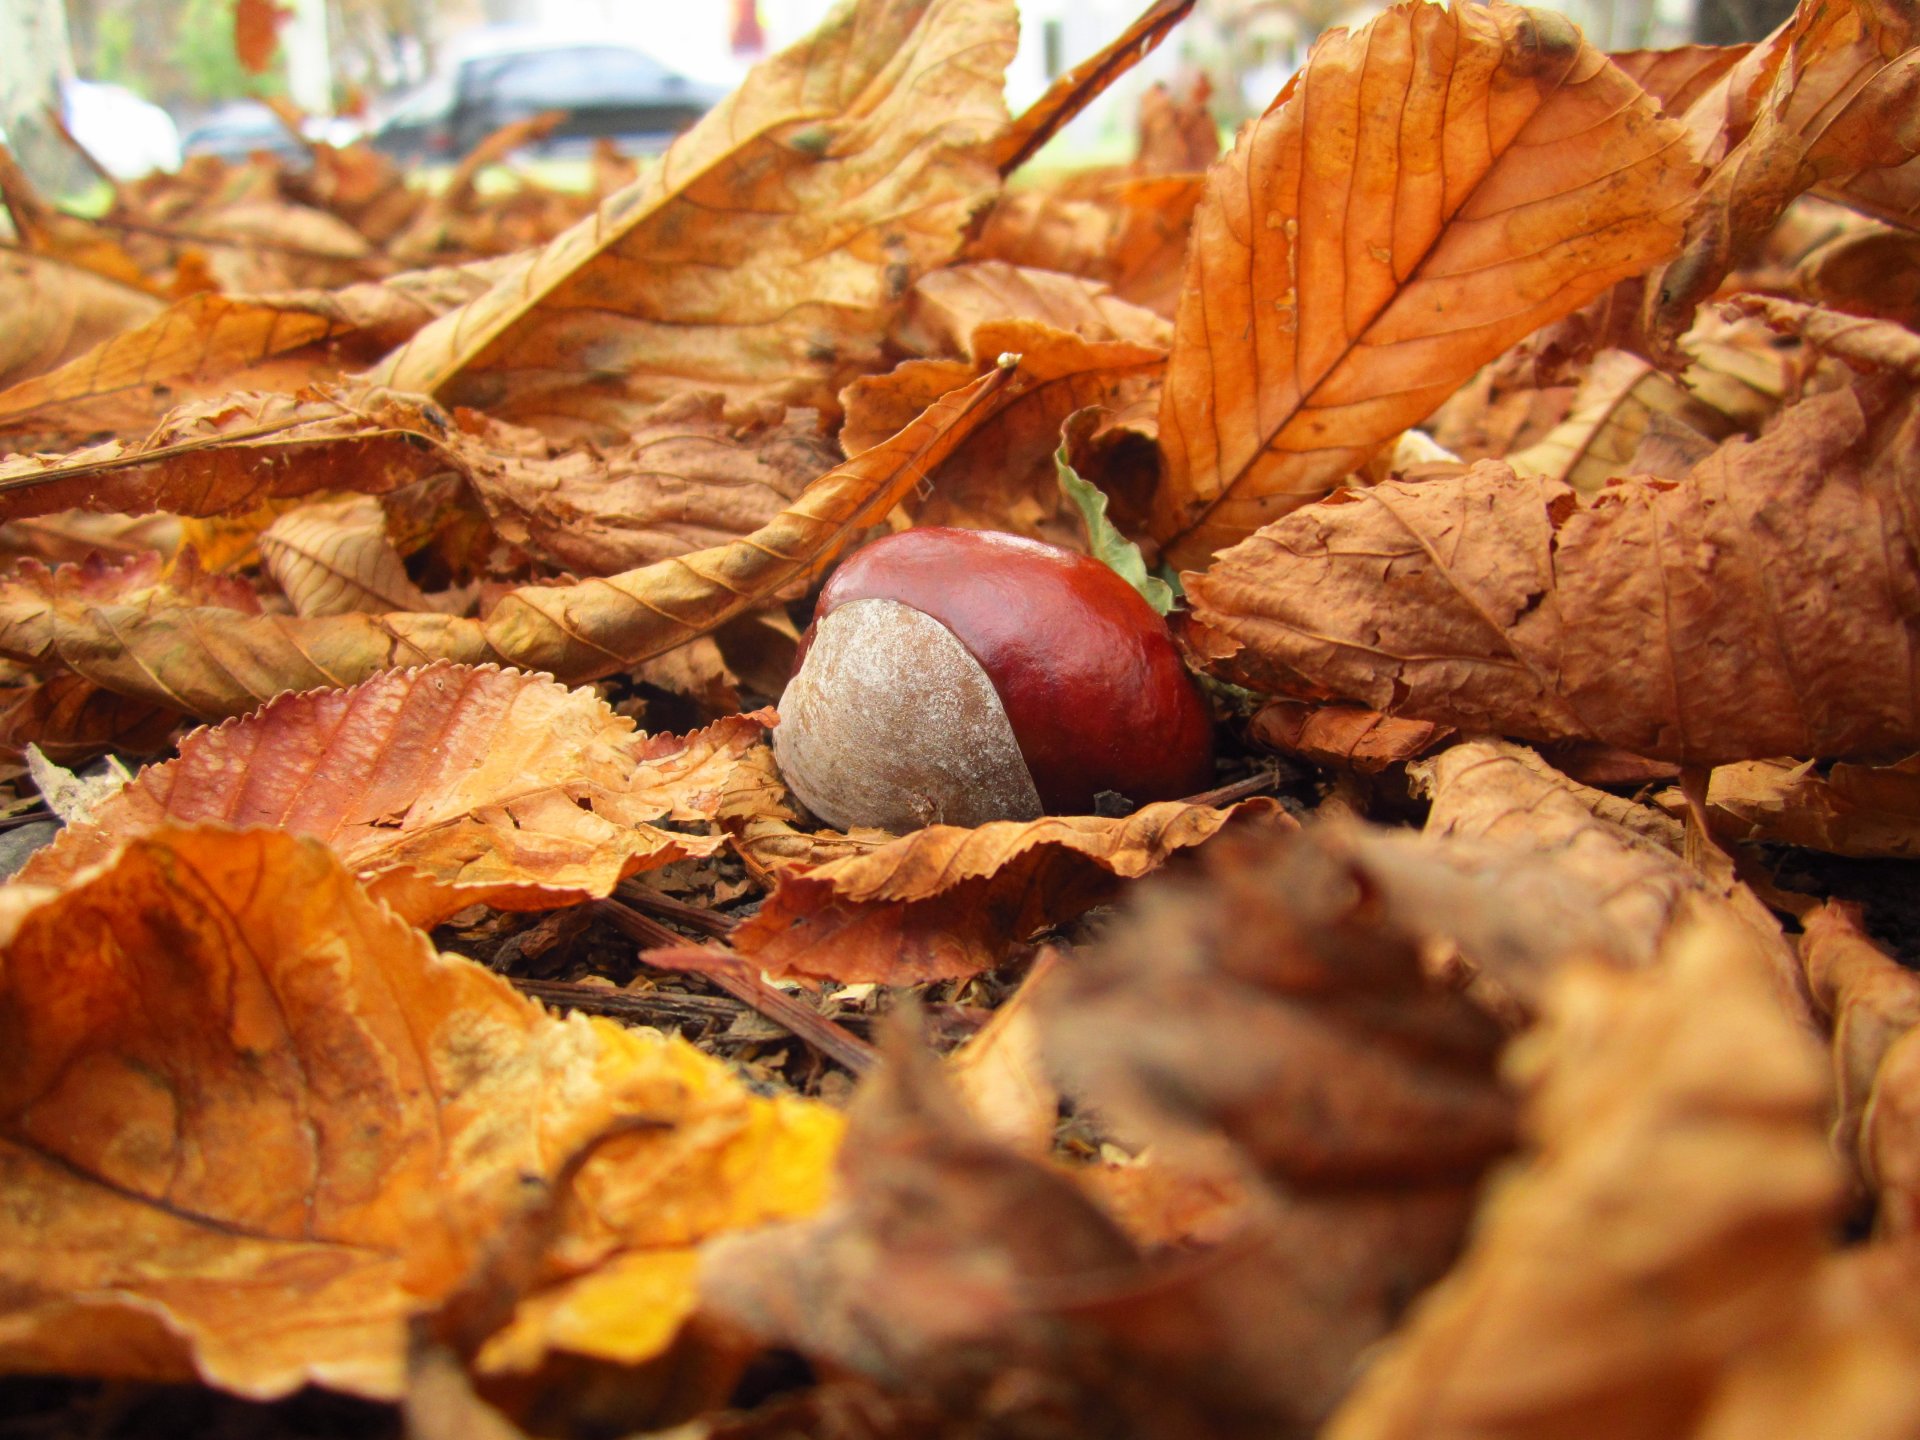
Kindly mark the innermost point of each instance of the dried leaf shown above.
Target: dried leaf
(1177, 137)
(1759, 608)
(441, 787)
(256, 32)
(1131, 235)
(1680, 76)
(1426, 192)
(763, 255)
(1874, 1005)
(949, 306)
(334, 558)
(72, 720)
(214, 666)
(1670, 1218)
(1341, 736)
(1000, 1075)
(687, 477)
(210, 345)
(261, 1124)
(1824, 98)
(1845, 810)
(59, 311)
(1868, 273)
(947, 901)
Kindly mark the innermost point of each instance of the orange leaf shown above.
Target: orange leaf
(1426, 192)
(253, 1124)
(947, 901)
(219, 665)
(441, 787)
(763, 256)
(256, 32)
(58, 311)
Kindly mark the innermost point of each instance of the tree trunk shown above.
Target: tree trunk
(35, 57)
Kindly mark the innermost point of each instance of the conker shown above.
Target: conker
(961, 676)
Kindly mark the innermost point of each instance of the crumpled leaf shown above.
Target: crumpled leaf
(1860, 810)
(334, 558)
(1335, 1110)
(687, 477)
(440, 787)
(58, 311)
(1177, 136)
(763, 255)
(214, 666)
(1759, 608)
(72, 720)
(210, 457)
(1342, 736)
(1873, 1003)
(251, 1124)
(1130, 235)
(1679, 76)
(947, 307)
(1001, 476)
(1827, 96)
(1668, 1222)
(947, 901)
(1424, 193)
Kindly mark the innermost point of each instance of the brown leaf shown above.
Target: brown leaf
(215, 666)
(1844, 810)
(252, 1124)
(1001, 477)
(59, 311)
(1000, 1075)
(688, 476)
(1073, 90)
(209, 345)
(763, 256)
(1131, 235)
(1759, 608)
(440, 787)
(1669, 1220)
(1822, 99)
(1177, 136)
(1342, 736)
(72, 720)
(1874, 1005)
(1427, 191)
(947, 309)
(947, 901)
(215, 456)
(1868, 273)
(335, 558)
(1680, 76)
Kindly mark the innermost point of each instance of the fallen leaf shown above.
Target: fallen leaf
(60, 311)
(262, 1124)
(1681, 75)
(216, 666)
(440, 787)
(763, 256)
(947, 901)
(256, 32)
(72, 720)
(1131, 235)
(1342, 736)
(688, 476)
(334, 557)
(949, 306)
(1756, 609)
(1823, 98)
(1177, 136)
(1844, 810)
(1000, 1075)
(1668, 1220)
(1424, 193)
(1874, 1006)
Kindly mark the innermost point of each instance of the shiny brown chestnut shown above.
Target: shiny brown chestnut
(961, 676)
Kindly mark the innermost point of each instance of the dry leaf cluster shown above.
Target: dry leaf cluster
(455, 1011)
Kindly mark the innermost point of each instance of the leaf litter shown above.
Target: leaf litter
(455, 1011)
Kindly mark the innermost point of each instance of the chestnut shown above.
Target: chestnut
(961, 676)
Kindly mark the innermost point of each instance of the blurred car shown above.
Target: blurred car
(597, 90)
(238, 129)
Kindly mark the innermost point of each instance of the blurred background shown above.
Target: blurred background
(141, 84)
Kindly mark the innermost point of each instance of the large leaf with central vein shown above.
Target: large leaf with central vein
(764, 254)
(1429, 190)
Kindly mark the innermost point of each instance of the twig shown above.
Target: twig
(710, 922)
(647, 1007)
(1258, 784)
